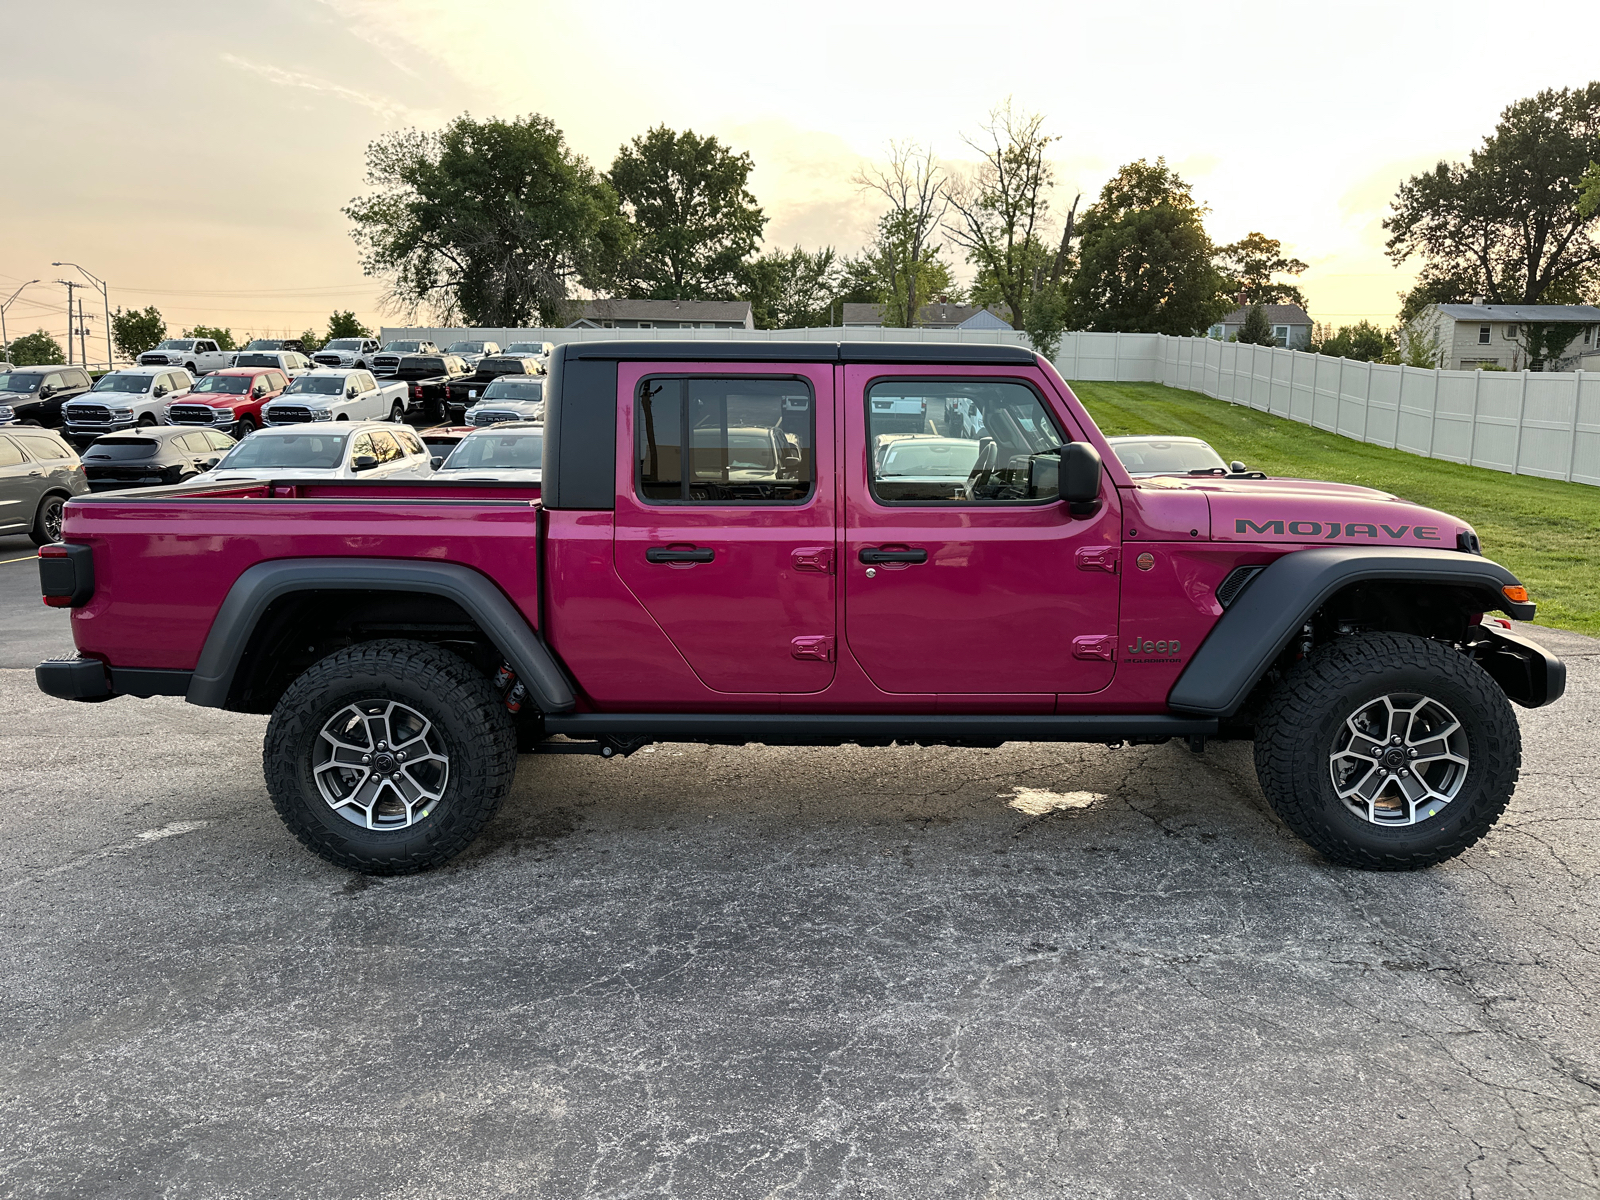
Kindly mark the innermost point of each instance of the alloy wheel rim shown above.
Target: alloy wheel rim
(1399, 759)
(52, 520)
(380, 764)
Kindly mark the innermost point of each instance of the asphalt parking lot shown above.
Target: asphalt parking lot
(1035, 971)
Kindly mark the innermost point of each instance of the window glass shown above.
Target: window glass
(1483, 335)
(43, 447)
(220, 441)
(749, 441)
(409, 442)
(508, 450)
(54, 381)
(284, 450)
(978, 442)
(196, 443)
(10, 456)
(363, 445)
(385, 447)
(77, 379)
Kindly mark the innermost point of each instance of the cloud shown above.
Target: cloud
(390, 110)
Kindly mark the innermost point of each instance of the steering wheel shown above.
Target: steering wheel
(988, 455)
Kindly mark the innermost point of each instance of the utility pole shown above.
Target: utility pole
(69, 285)
(83, 349)
(5, 341)
(105, 296)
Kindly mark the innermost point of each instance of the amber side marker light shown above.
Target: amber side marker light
(1515, 593)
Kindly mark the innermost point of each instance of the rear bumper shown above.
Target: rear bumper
(89, 679)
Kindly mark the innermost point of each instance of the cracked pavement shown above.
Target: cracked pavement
(787, 973)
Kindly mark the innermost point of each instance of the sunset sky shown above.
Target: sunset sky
(196, 155)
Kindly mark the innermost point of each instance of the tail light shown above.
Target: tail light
(66, 575)
(416, 391)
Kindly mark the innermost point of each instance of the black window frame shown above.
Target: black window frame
(684, 377)
(921, 380)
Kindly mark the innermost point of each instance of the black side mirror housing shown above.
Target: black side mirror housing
(363, 462)
(1081, 472)
(437, 460)
(1237, 467)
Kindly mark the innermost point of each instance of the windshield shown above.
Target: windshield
(435, 365)
(514, 389)
(228, 385)
(953, 459)
(18, 382)
(122, 448)
(403, 347)
(1163, 457)
(513, 450)
(274, 451)
(265, 344)
(256, 360)
(344, 344)
(316, 385)
(525, 348)
(177, 344)
(123, 383)
(464, 348)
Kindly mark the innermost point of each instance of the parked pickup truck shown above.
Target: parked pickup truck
(122, 399)
(336, 396)
(198, 356)
(461, 394)
(674, 578)
(347, 352)
(387, 359)
(426, 377)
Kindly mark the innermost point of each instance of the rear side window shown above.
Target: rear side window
(409, 442)
(961, 442)
(385, 448)
(724, 441)
(10, 456)
(44, 447)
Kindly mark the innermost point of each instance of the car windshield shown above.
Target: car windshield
(464, 348)
(510, 450)
(514, 389)
(230, 385)
(16, 381)
(265, 344)
(748, 449)
(122, 448)
(177, 344)
(946, 459)
(422, 364)
(317, 385)
(275, 451)
(403, 347)
(123, 383)
(525, 348)
(344, 344)
(256, 360)
(1159, 456)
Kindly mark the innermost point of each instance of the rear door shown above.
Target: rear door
(21, 483)
(964, 573)
(725, 518)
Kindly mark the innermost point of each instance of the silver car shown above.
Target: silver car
(39, 473)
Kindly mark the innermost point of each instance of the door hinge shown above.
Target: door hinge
(1097, 645)
(813, 646)
(1098, 558)
(813, 558)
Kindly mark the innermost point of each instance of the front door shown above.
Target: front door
(723, 533)
(964, 573)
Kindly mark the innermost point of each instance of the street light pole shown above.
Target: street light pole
(105, 295)
(5, 341)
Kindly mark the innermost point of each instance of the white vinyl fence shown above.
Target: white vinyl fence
(1525, 423)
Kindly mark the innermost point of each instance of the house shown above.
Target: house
(1478, 335)
(929, 316)
(1291, 327)
(664, 314)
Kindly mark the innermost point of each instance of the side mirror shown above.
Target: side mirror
(46, 391)
(160, 390)
(437, 461)
(1237, 467)
(1080, 477)
(259, 390)
(351, 392)
(211, 462)
(363, 462)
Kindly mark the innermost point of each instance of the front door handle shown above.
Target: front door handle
(870, 555)
(666, 554)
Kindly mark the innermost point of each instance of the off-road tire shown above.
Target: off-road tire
(47, 521)
(476, 730)
(1295, 734)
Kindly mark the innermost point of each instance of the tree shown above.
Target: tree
(1257, 329)
(694, 220)
(345, 325)
(1589, 191)
(487, 222)
(1145, 260)
(1508, 224)
(1418, 347)
(793, 289)
(136, 331)
(1001, 221)
(37, 349)
(1363, 341)
(222, 337)
(1251, 263)
(904, 256)
(312, 340)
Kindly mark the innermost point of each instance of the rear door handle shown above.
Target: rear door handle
(663, 554)
(870, 555)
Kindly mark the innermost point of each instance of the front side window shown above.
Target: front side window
(724, 441)
(953, 442)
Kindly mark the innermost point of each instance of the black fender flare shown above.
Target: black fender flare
(255, 590)
(1277, 603)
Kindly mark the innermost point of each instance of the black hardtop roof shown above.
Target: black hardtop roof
(685, 350)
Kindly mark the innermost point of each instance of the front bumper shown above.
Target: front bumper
(1528, 673)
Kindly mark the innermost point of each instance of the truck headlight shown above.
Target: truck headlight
(222, 415)
(321, 414)
(121, 413)
(7, 413)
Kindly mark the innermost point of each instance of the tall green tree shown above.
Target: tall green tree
(137, 330)
(793, 289)
(904, 255)
(1510, 223)
(1145, 260)
(488, 222)
(1001, 220)
(1256, 329)
(1363, 342)
(345, 325)
(1252, 264)
(37, 349)
(222, 337)
(693, 216)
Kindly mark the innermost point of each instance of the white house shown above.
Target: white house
(937, 315)
(1291, 327)
(664, 314)
(1472, 336)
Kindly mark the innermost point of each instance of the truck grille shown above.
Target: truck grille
(493, 416)
(191, 414)
(386, 364)
(287, 414)
(154, 360)
(327, 360)
(87, 414)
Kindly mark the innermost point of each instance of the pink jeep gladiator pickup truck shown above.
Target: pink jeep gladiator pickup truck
(809, 543)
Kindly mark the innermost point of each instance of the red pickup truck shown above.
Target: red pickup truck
(809, 543)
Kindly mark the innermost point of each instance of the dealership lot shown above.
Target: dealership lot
(1034, 971)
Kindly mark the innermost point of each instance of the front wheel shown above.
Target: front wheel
(246, 426)
(47, 521)
(1388, 752)
(389, 757)
(146, 420)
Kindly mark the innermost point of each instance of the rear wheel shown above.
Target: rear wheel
(47, 521)
(389, 757)
(1388, 752)
(397, 413)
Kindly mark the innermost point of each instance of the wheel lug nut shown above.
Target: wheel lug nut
(401, 756)
(366, 758)
(385, 745)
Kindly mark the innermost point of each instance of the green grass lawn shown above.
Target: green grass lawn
(1546, 531)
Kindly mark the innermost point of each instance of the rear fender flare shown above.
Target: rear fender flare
(259, 586)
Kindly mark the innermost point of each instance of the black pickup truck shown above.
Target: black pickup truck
(427, 376)
(462, 394)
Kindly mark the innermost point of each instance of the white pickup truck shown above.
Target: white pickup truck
(122, 399)
(337, 396)
(198, 356)
(347, 353)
